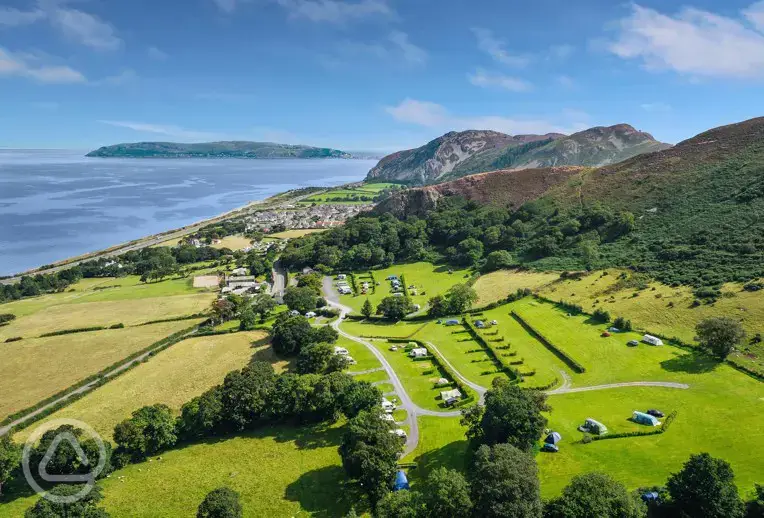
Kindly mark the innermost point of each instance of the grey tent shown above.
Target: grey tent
(553, 438)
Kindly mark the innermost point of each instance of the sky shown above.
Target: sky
(373, 75)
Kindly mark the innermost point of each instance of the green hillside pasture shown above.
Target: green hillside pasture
(429, 280)
(361, 354)
(381, 328)
(495, 286)
(464, 353)
(104, 313)
(442, 443)
(607, 360)
(418, 377)
(721, 413)
(534, 355)
(35, 369)
(281, 471)
(664, 309)
(173, 377)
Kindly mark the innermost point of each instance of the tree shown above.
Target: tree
(460, 298)
(505, 483)
(755, 507)
(400, 504)
(589, 252)
(438, 306)
(719, 335)
(310, 280)
(395, 308)
(367, 310)
(222, 502)
(223, 310)
(446, 493)
(245, 393)
(263, 305)
(622, 324)
(314, 358)
(300, 299)
(469, 251)
(471, 418)
(369, 453)
(595, 494)
(85, 507)
(512, 415)
(290, 334)
(66, 460)
(150, 430)
(201, 416)
(359, 397)
(705, 487)
(247, 320)
(10, 459)
(498, 260)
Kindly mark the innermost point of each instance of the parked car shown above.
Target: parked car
(655, 413)
(551, 448)
(632, 343)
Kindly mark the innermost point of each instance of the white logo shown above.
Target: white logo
(87, 479)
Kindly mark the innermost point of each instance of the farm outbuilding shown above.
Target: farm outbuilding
(642, 418)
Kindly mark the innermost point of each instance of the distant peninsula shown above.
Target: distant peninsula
(231, 149)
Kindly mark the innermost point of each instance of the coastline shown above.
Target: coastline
(154, 239)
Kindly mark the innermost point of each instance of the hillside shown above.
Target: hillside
(698, 208)
(459, 154)
(232, 149)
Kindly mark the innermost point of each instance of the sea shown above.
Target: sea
(58, 204)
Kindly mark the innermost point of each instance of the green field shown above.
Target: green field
(442, 444)
(429, 280)
(291, 234)
(36, 369)
(381, 328)
(495, 286)
(173, 377)
(349, 195)
(361, 354)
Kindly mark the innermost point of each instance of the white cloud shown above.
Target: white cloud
(437, 117)
(410, 52)
(85, 28)
(161, 129)
(126, 76)
(157, 54)
(565, 81)
(486, 79)
(16, 65)
(227, 6)
(656, 107)
(336, 11)
(561, 51)
(495, 48)
(11, 17)
(694, 42)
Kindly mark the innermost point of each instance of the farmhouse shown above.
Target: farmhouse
(419, 352)
(450, 397)
(652, 340)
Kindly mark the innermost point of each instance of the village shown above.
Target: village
(300, 217)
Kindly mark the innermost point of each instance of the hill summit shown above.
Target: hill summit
(458, 154)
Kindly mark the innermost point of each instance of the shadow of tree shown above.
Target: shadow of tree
(691, 363)
(326, 492)
(454, 455)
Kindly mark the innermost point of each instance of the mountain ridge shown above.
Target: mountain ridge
(457, 154)
(220, 149)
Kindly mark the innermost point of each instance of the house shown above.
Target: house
(341, 351)
(401, 482)
(240, 272)
(594, 427)
(310, 314)
(419, 352)
(452, 322)
(642, 418)
(652, 340)
(450, 397)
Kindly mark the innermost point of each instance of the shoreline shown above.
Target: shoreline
(154, 239)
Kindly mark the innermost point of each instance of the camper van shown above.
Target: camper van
(652, 340)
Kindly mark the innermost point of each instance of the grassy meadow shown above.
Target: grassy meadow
(236, 242)
(292, 234)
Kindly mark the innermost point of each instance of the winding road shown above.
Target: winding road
(413, 410)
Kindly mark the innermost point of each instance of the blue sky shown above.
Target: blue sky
(370, 74)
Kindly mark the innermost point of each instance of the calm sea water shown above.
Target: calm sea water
(58, 204)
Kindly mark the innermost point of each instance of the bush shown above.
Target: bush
(117, 326)
(622, 324)
(13, 339)
(72, 331)
(601, 315)
(6, 317)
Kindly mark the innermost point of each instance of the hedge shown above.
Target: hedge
(174, 319)
(405, 288)
(353, 284)
(72, 331)
(655, 431)
(570, 362)
(513, 372)
(13, 339)
(373, 282)
(468, 395)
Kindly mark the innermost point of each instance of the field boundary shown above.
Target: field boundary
(509, 369)
(567, 360)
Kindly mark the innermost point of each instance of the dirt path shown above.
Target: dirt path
(665, 384)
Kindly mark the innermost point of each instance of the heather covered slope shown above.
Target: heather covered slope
(455, 155)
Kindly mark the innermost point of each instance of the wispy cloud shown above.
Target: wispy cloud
(157, 54)
(410, 52)
(162, 129)
(561, 51)
(11, 17)
(396, 48)
(435, 116)
(496, 48)
(17, 65)
(127, 76)
(227, 6)
(656, 107)
(79, 26)
(486, 79)
(565, 81)
(694, 42)
(336, 11)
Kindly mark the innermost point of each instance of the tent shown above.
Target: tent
(652, 496)
(642, 418)
(553, 438)
(401, 482)
(452, 322)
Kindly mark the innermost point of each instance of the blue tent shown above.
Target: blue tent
(452, 322)
(401, 482)
(652, 496)
(553, 438)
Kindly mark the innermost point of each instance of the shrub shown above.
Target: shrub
(117, 326)
(601, 315)
(13, 339)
